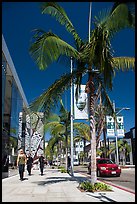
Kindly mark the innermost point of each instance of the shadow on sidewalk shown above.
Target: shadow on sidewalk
(53, 180)
(102, 197)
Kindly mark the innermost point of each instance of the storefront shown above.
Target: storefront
(13, 102)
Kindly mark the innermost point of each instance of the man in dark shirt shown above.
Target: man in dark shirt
(29, 164)
(41, 161)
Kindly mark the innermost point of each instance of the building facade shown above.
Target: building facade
(19, 129)
(130, 137)
(13, 102)
(34, 135)
(79, 151)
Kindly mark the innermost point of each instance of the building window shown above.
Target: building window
(16, 107)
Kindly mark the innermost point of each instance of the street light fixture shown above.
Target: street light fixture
(115, 128)
(122, 109)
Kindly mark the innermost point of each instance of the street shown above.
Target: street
(126, 179)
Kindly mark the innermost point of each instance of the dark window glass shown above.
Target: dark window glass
(104, 161)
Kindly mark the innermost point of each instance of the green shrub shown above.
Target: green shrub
(87, 186)
(62, 169)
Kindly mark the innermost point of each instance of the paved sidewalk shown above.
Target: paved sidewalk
(55, 186)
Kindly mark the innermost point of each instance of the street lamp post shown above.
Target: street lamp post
(72, 173)
(115, 129)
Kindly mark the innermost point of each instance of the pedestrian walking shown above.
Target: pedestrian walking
(21, 161)
(29, 164)
(69, 162)
(41, 162)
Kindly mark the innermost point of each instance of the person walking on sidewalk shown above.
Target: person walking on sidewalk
(41, 162)
(29, 164)
(21, 161)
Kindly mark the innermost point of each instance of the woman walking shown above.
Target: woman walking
(21, 161)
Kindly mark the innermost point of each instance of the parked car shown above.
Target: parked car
(106, 167)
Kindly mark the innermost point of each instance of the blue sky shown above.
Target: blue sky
(18, 21)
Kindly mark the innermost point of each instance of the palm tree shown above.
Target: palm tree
(125, 148)
(53, 147)
(59, 127)
(100, 116)
(94, 56)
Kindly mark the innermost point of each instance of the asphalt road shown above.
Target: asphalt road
(126, 179)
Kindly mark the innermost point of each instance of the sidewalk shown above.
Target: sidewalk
(55, 186)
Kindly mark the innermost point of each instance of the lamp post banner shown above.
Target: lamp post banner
(81, 105)
(120, 126)
(110, 126)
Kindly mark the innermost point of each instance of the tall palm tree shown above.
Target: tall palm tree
(94, 56)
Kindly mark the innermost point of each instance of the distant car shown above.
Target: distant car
(106, 167)
(56, 163)
(76, 162)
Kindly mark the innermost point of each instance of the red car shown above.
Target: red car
(106, 167)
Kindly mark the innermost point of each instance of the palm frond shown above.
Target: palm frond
(53, 141)
(50, 125)
(83, 130)
(124, 63)
(44, 54)
(55, 10)
(131, 11)
(63, 112)
(106, 101)
(59, 129)
(120, 18)
(48, 100)
(53, 117)
(100, 46)
(122, 15)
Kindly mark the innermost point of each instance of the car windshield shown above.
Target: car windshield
(105, 161)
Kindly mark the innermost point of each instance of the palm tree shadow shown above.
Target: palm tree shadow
(53, 180)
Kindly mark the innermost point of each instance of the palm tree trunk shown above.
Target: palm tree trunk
(90, 88)
(93, 143)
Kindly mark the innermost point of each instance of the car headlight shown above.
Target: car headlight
(103, 168)
(119, 167)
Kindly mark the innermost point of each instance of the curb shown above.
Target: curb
(120, 187)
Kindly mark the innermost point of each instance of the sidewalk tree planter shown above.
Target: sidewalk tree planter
(97, 187)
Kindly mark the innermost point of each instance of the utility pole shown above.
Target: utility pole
(89, 21)
(115, 129)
